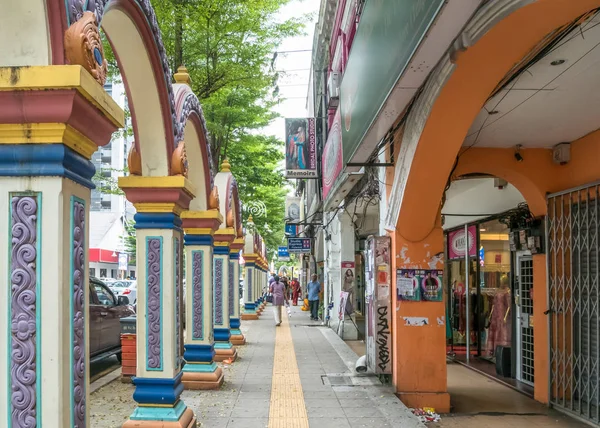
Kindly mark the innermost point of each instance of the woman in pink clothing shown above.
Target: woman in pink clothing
(279, 298)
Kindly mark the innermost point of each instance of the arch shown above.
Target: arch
(227, 185)
(132, 30)
(236, 204)
(496, 38)
(190, 118)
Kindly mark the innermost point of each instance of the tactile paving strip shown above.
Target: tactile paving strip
(287, 408)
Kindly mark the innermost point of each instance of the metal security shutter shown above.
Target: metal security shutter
(574, 277)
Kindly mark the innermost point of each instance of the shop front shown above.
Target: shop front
(489, 271)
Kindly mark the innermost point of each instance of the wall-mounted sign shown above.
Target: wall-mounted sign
(299, 245)
(291, 229)
(386, 40)
(300, 148)
(457, 241)
(283, 254)
(332, 155)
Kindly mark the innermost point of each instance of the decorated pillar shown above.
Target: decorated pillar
(249, 312)
(200, 370)
(52, 119)
(224, 349)
(237, 338)
(159, 202)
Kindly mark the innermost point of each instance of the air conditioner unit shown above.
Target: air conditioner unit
(333, 89)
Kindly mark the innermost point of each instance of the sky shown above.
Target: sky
(294, 67)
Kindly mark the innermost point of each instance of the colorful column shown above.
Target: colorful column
(249, 288)
(200, 370)
(237, 338)
(158, 384)
(52, 119)
(224, 349)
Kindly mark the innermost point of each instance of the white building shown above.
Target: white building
(110, 212)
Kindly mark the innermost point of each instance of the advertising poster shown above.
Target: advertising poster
(431, 285)
(348, 284)
(123, 261)
(343, 301)
(382, 267)
(408, 286)
(332, 156)
(300, 148)
(457, 241)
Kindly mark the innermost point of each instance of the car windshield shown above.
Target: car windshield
(120, 284)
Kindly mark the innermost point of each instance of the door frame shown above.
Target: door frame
(519, 256)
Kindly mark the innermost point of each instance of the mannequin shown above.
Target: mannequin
(500, 322)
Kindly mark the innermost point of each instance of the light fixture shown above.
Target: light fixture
(518, 156)
(493, 112)
(558, 62)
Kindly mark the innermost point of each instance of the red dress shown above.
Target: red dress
(295, 292)
(499, 333)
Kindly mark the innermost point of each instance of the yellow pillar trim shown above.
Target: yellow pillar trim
(47, 133)
(158, 207)
(208, 214)
(198, 231)
(57, 77)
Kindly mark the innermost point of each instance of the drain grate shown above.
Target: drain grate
(337, 380)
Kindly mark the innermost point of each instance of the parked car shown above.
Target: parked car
(106, 311)
(126, 288)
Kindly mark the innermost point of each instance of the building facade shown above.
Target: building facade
(464, 133)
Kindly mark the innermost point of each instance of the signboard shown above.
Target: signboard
(379, 304)
(123, 261)
(300, 148)
(292, 209)
(332, 155)
(342, 306)
(457, 242)
(387, 38)
(291, 229)
(299, 245)
(283, 254)
(348, 285)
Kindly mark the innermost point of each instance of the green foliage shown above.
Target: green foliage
(130, 241)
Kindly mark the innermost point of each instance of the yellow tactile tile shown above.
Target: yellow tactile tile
(287, 409)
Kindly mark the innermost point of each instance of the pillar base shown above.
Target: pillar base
(440, 401)
(249, 316)
(237, 338)
(225, 351)
(202, 376)
(186, 420)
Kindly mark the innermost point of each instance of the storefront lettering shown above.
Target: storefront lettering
(383, 333)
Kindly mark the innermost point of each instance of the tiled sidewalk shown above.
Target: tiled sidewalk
(332, 398)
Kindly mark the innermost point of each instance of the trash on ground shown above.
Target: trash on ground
(426, 414)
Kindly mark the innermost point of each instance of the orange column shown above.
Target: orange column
(419, 357)
(540, 328)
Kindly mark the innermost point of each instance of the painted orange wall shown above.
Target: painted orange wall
(478, 71)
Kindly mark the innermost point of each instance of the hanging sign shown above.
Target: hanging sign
(299, 245)
(292, 209)
(332, 156)
(342, 307)
(300, 148)
(283, 254)
(456, 243)
(123, 261)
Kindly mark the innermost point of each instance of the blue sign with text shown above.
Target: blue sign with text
(291, 229)
(283, 252)
(299, 245)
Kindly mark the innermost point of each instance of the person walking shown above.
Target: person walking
(278, 291)
(314, 288)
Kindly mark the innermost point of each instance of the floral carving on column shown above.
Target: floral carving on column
(153, 304)
(23, 281)
(249, 274)
(231, 288)
(178, 334)
(218, 299)
(78, 288)
(197, 289)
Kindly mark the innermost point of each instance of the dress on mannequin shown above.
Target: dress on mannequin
(500, 321)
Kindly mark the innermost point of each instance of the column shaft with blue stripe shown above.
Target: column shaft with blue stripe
(235, 323)
(158, 384)
(50, 126)
(200, 370)
(249, 312)
(224, 349)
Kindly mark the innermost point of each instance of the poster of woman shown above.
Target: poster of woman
(300, 148)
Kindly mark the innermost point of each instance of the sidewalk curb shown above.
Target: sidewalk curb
(105, 380)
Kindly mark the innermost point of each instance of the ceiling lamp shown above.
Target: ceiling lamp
(558, 62)
(518, 156)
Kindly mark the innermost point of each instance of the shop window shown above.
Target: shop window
(113, 273)
(102, 273)
(92, 271)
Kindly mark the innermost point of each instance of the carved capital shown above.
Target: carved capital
(179, 161)
(134, 161)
